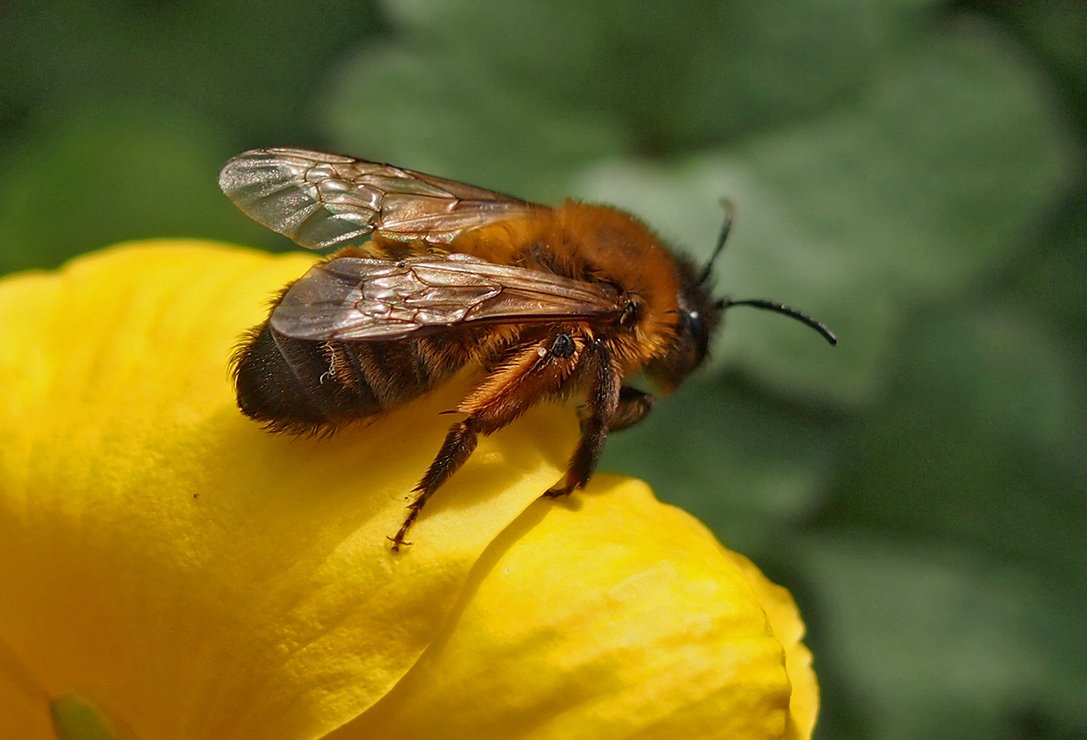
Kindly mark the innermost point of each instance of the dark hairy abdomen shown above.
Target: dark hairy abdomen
(302, 387)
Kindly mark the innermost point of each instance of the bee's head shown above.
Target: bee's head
(698, 313)
(697, 316)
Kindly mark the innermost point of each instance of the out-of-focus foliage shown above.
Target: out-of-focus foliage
(911, 172)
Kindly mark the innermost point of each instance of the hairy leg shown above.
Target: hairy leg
(525, 375)
(601, 408)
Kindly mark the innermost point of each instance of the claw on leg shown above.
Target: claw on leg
(413, 512)
(558, 491)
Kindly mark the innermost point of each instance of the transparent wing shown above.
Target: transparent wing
(359, 298)
(322, 200)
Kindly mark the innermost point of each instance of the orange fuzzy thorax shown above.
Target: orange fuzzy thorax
(597, 244)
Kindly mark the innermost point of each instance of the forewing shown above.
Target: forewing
(322, 200)
(363, 299)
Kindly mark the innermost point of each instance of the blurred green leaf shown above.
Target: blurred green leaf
(931, 639)
(254, 67)
(107, 177)
(951, 550)
(1051, 274)
(1053, 32)
(678, 75)
(987, 414)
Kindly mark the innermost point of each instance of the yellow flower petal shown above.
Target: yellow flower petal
(614, 616)
(784, 619)
(188, 575)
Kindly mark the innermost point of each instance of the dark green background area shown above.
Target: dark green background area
(911, 172)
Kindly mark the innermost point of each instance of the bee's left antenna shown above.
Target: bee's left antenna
(726, 228)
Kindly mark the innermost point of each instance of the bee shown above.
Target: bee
(545, 303)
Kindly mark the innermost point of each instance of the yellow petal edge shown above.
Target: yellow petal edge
(190, 575)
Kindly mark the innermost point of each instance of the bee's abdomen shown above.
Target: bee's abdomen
(301, 386)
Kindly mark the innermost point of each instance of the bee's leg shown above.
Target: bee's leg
(527, 373)
(601, 408)
(458, 446)
(634, 405)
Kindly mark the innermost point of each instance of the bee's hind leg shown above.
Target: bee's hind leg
(459, 444)
(526, 375)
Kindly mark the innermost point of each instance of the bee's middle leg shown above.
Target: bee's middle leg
(601, 408)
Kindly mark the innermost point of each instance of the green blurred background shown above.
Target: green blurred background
(910, 172)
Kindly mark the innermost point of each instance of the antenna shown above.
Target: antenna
(726, 228)
(765, 304)
(726, 303)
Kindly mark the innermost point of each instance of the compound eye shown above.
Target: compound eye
(694, 326)
(692, 322)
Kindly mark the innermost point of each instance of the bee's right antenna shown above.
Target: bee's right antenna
(763, 303)
(726, 227)
(768, 305)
